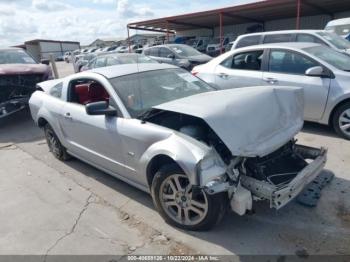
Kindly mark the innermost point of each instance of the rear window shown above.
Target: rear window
(278, 38)
(248, 41)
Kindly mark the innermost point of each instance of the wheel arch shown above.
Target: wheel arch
(156, 163)
(339, 104)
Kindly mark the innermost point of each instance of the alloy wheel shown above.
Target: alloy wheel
(179, 202)
(344, 122)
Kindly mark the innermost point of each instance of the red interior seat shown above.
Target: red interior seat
(82, 92)
(97, 93)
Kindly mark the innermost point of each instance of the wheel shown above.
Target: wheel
(54, 144)
(180, 206)
(341, 120)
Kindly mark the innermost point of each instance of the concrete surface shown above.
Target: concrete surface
(53, 207)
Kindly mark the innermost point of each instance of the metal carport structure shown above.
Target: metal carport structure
(258, 12)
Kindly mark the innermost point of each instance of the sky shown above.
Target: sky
(86, 20)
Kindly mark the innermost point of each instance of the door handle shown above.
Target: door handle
(68, 116)
(271, 80)
(223, 75)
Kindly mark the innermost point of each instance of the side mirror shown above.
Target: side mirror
(100, 108)
(171, 56)
(45, 61)
(316, 71)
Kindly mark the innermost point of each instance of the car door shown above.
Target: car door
(94, 138)
(167, 56)
(287, 68)
(240, 70)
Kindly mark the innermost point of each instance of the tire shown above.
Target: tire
(212, 207)
(341, 119)
(55, 145)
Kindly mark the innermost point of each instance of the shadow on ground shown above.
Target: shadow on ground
(318, 129)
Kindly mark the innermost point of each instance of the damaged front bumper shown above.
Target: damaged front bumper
(280, 195)
(12, 106)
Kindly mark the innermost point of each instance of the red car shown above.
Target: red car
(19, 74)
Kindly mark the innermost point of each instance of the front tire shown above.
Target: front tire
(54, 144)
(341, 120)
(180, 206)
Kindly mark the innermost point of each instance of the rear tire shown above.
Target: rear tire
(341, 120)
(180, 207)
(55, 145)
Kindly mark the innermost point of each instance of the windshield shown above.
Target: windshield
(128, 59)
(335, 39)
(184, 50)
(15, 57)
(334, 58)
(214, 41)
(339, 29)
(140, 92)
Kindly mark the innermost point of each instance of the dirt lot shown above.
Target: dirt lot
(51, 207)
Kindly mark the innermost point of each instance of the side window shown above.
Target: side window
(289, 62)
(56, 90)
(164, 52)
(154, 52)
(100, 62)
(245, 61)
(248, 41)
(112, 61)
(85, 91)
(309, 39)
(147, 52)
(278, 38)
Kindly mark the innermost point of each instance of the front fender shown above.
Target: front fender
(185, 151)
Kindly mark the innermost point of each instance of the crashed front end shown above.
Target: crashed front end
(278, 177)
(251, 133)
(15, 91)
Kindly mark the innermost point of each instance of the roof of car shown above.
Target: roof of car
(127, 69)
(282, 32)
(296, 45)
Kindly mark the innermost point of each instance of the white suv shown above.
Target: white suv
(313, 36)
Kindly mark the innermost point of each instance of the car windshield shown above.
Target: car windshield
(15, 57)
(140, 92)
(339, 29)
(184, 50)
(335, 39)
(214, 41)
(332, 57)
(128, 59)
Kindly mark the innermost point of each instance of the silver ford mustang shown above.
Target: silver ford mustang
(195, 149)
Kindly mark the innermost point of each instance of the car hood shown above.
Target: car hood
(252, 121)
(14, 69)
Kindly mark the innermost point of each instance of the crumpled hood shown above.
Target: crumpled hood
(14, 69)
(252, 121)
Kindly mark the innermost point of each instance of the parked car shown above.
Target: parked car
(199, 43)
(214, 46)
(68, 56)
(183, 56)
(82, 60)
(312, 36)
(59, 58)
(122, 49)
(150, 125)
(110, 59)
(340, 27)
(323, 72)
(19, 74)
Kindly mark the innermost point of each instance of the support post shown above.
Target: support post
(53, 66)
(298, 14)
(129, 39)
(167, 31)
(221, 34)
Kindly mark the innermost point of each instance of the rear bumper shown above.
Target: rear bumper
(279, 196)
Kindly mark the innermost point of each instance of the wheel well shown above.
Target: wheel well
(42, 122)
(156, 163)
(335, 108)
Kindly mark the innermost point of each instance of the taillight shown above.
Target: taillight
(194, 73)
